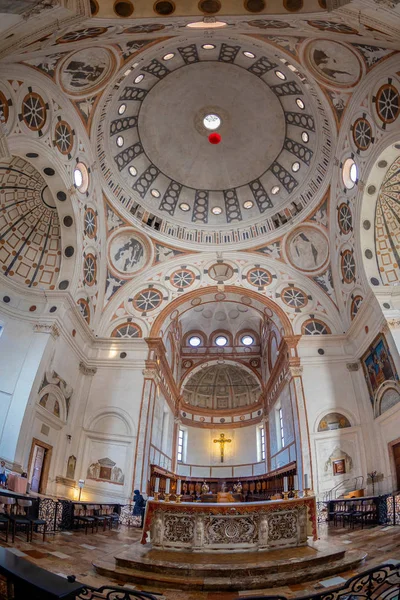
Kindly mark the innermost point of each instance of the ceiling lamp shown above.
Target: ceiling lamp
(214, 138)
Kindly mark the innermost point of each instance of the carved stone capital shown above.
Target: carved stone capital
(52, 329)
(393, 324)
(151, 374)
(296, 371)
(83, 368)
(353, 366)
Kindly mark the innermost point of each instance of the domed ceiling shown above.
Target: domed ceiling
(272, 150)
(29, 226)
(221, 387)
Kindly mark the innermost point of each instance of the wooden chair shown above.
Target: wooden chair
(83, 518)
(343, 513)
(34, 522)
(100, 518)
(4, 518)
(18, 520)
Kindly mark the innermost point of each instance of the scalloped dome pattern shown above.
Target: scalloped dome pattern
(222, 387)
(29, 226)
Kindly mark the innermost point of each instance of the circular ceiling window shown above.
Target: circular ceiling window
(349, 173)
(221, 340)
(247, 340)
(220, 272)
(81, 177)
(212, 122)
(194, 341)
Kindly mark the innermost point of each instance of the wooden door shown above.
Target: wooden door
(396, 456)
(37, 468)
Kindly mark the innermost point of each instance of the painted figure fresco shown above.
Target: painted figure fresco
(105, 469)
(378, 366)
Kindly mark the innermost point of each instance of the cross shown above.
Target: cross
(222, 441)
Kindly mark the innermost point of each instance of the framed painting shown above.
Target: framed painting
(339, 466)
(378, 365)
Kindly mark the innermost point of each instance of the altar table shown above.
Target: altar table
(17, 484)
(205, 527)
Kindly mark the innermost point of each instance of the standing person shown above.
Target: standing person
(3, 476)
(139, 506)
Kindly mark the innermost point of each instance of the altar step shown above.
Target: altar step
(154, 569)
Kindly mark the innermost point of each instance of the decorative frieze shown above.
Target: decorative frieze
(296, 371)
(52, 329)
(353, 366)
(86, 370)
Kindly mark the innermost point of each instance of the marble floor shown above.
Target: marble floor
(72, 554)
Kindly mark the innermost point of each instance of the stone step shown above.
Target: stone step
(231, 580)
(218, 564)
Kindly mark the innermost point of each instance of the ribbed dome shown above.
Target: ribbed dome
(29, 226)
(222, 387)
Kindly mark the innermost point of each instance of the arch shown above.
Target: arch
(243, 292)
(214, 360)
(340, 411)
(93, 421)
(332, 421)
(44, 400)
(387, 396)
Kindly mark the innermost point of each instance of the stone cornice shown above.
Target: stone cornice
(86, 370)
(353, 367)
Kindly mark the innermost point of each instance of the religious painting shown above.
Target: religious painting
(378, 366)
(105, 469)
(333, 421)
(128, 252)
(339, 466)
(339, 462)
(307, 248)
(334, 63)
(71, 467)
(85, 70)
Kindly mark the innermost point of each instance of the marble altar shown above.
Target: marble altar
(205, 527)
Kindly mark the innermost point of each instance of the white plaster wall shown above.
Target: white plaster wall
(21, 351)
(330, 387)
(201, 449)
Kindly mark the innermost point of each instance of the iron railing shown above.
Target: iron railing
(379, 583)
(114, 593)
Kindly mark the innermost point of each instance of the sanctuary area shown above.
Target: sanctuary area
(199, 298)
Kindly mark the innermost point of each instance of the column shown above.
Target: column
(141, 471)
(303, 451)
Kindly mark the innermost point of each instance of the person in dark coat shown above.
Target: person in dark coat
(139, 506)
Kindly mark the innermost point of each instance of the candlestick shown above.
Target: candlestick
(166, 497)
(178, 487)
(305, 480)
(156, 496)
(178, 498)
(285, 484)
(286, 495)
(296, 482)
(157, 486)
(167, 486)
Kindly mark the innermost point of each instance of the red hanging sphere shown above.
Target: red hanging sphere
(214, 138)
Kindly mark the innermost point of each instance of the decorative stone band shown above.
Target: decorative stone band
(86, 370)
(244, 527)
(353, 366)
(45, 328)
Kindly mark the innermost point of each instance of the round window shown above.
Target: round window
(81, 177)
(212, 122)
(194, 341)
(221, 340)
(247, 340)
(349, 173)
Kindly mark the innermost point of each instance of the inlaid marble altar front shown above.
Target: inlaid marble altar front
(239, 526)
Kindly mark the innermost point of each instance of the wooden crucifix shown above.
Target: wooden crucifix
(222, 441)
